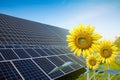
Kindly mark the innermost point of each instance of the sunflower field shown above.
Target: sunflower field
(101, 55)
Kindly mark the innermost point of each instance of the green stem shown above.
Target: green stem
(108, 73)
(88, 74)
(112, 76)
(94, 75)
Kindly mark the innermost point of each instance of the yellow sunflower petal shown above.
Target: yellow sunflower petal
(91, 30)
(87, 52)
(107, 51)
(88, 28)
(80, 41)
(82, 28)
(79, 52)
(96, 36)
(75, 52)
(114, 48)
(92, 61)
(70, 38)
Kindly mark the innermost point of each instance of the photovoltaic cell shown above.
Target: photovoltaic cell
(59, 50)
(66, 50)
(36, 46)
(41, 52)
(65, 58)
(48, 51)
(8, 72)
(40, 48)
(1, 58)
(21, 53)
(8, 54)
(21, 31)
(17, 46)
(47, 66)
(8, 46)
(29, 70)
(76, 59)
(58, 63)
(1, 46)
(32, 52)
(55, 51)
(24, 46)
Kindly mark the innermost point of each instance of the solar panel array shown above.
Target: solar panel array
(30, 50)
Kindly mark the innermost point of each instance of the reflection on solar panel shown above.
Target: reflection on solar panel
(65, 58)
(30, 50)
(77, 60)
(59, 62)
(47, 66)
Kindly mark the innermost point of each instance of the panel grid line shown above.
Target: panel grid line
(27, 49)
(17, 70)
(40, 69)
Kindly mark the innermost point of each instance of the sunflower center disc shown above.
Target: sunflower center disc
(92, 62)
(106, 53)
(82, 41)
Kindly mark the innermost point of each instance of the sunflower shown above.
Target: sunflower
(107, 51)
(92, 61)
(82, 40)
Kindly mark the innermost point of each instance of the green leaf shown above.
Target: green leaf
(56, 69)
(118, 57)
(62, 66)
(104, 76)
(100, 72)
(112, 71)
(101, 66)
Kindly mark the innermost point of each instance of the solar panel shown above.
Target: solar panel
(29, 70)
(1, 58)
(30, 50)
(8, 54)
(47, 66)
(60, 52)
(1, 46)
(55, 51)
(21, 53)
(59, 62)
(17, 46)
(66, 50)
(48, 51)
(32, 53)
(8, 72)
(8, 46)
(65, 58)
(77, 60)
(41, 52)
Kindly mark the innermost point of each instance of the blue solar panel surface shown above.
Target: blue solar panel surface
(29, 70)
(8, 54)
(21, 53)
(47, 66)
(8, 72)
(41, 52)
(30, 50)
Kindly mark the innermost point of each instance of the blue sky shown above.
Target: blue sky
(103, 14)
